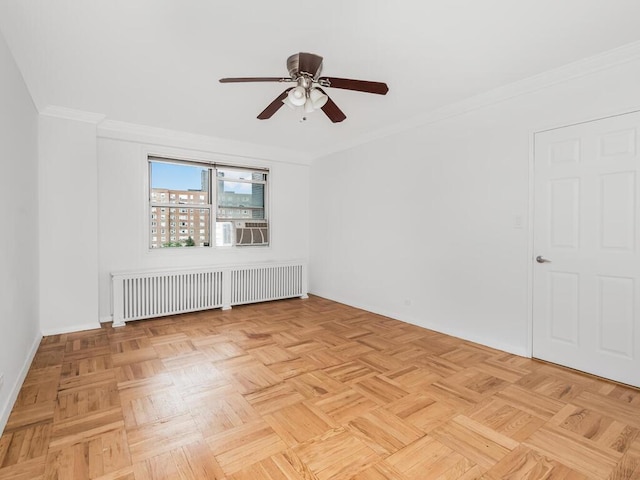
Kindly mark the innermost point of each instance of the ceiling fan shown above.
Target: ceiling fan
(304, 70)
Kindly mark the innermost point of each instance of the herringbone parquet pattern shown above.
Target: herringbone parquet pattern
(308, 390)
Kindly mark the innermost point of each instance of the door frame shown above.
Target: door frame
(531, 209)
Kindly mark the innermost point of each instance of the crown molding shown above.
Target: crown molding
(158, 136)
(71, 114)
(143, 134)
(580, 68)
(170, 138)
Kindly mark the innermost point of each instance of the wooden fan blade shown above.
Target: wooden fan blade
(332, 111)
(309, 63)
(357, 85)
(274, 106)
(254, 79)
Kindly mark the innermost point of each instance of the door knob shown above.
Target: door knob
(541, 259)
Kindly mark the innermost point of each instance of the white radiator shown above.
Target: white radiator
(148, 294)
(263, 283)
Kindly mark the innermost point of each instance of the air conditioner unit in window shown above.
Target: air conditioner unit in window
(252, 232)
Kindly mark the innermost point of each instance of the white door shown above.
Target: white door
(586, 291)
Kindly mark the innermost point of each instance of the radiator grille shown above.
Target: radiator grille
(152, 295)
(259, 284)
(138, 295)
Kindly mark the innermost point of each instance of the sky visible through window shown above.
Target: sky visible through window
(188, 177)
(176, 177)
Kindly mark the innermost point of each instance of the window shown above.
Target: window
(240, 196)
(214, 197)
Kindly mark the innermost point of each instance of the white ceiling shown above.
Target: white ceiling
(157, 62)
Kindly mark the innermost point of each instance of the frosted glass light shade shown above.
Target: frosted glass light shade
(298, 96)
(288, 103)
(308, 106)
(318, 99)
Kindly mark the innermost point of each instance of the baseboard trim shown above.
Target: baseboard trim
(15, 390)
(513, 349)
(73, 328)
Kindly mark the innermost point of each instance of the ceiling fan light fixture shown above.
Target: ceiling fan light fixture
(317, 98)
(288, 103)
(304, 71)
(308, 106)
(297, 96)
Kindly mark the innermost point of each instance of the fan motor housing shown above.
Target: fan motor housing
(293, 66)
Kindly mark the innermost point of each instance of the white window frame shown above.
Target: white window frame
(212, 199)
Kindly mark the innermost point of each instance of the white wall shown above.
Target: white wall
(420, 225)
(68, 237)
(123, 210)
(19, 328)
(93, 211)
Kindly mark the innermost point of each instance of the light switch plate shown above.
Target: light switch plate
(517, 221)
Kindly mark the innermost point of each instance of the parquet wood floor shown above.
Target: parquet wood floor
(308, 390)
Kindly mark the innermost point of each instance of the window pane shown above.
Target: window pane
(242, 175)
(233, 194)
(182, 208)
(240, 199)
(180, 184)
(223, 233)
(191, 229)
